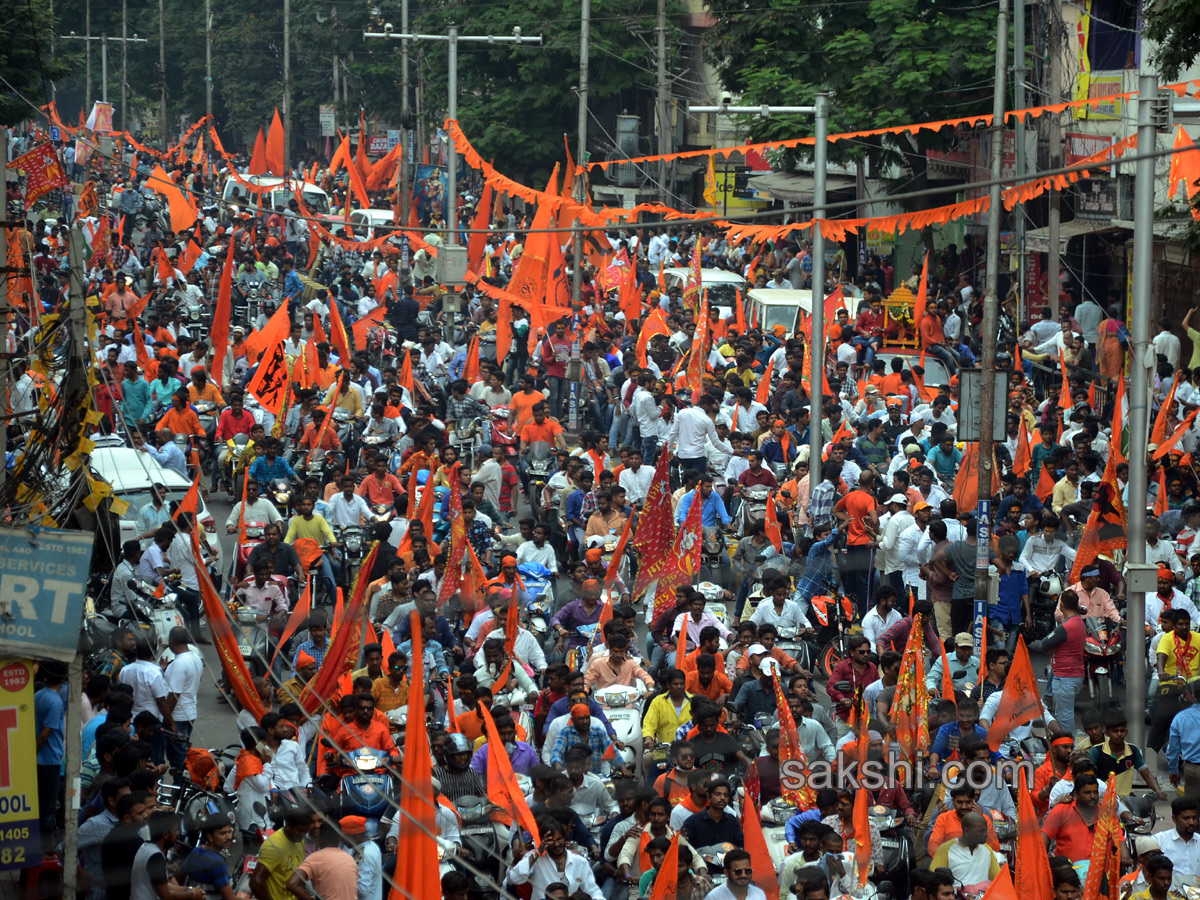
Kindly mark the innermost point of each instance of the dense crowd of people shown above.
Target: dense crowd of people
(868, 541)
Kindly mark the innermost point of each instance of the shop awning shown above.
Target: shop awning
(796, 186)
(1038, 240)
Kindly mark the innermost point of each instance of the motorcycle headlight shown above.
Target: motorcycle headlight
(354, 543)
(614, 701)
(441, 852)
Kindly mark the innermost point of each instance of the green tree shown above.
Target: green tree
(26, 63)
(516, 103)
(1174, 26)
(887, 62)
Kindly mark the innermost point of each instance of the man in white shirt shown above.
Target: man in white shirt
(1166, 345)
(538, 550)
(258, 509)
(691, 432)
(182, 679)
(644, 408)
(347, 509)
(1180, 844)
(892, 524)
(149, 695)
(881, 616)
(636, 478)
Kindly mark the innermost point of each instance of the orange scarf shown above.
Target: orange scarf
(247, 764)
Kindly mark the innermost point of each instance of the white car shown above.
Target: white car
(131, 474)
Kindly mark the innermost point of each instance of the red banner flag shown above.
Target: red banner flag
(1020, 702)
(43, 172)
(503, 790)
(1106, 527)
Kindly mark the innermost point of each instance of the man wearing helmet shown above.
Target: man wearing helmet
(457, 778)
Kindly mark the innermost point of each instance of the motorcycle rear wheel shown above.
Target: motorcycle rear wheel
(833, 653)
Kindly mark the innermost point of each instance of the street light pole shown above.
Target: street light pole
(1139, 384)
(990, 327)
(585, 29)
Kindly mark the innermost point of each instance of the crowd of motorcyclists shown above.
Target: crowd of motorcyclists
(636, 728)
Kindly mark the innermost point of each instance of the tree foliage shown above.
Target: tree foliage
(26, 63)
(1174, 26)
(886, 62)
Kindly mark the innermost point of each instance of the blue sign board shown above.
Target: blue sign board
(43, 585)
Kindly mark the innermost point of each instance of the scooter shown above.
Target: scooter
(774, 816)
(753, 507)
(369, 790)
(897, 844)
(154, 616)
(622, 705)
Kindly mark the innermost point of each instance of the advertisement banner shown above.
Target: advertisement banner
(430, 190)
(43, 584)
(20, 838)
(327, 117)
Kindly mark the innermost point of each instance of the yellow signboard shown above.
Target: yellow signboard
(20, 839)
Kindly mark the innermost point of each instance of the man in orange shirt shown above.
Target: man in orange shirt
(542, 428)
(328, 440)
(522, 403)
(364, 730)
(426, 458)
(181, 418)
(706, 681)
(933, 340)
(1056, 767)
(948, 825)
(381, 486)
(860, 510)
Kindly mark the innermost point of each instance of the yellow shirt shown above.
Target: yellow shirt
(1167, 646)
(281, 858)
(387, 697)
(315, 529)
(350, 401)
(1065, 493)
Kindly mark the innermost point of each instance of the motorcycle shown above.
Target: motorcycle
(153, 616)
(466, 439)
(206, 412)
(485, 841)
(835, 617)
(714, 561)
(503, 437)
(622, 705)
(897, 843)
(1043, 600)
(254, 536)
(774, 816)
(753, 507)
(714, 602)
(234, 447)
(279, 492)
(1101, 651)
(539, 466)
(382, 513)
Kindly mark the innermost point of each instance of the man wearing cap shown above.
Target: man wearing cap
(892, 524)
(366, 855)
(780, 448)
(963, 659)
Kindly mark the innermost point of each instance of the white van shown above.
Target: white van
(723, 287)
(277, 198)
(366, 221)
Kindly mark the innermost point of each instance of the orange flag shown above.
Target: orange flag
(337, 335)
(1023, 461)
(191, 500)
(947, 676)
(297, 617)
(451, 715)
(166, 271)
(221, 629)
(1118, 422)
(760, 855)
(1159, 433)
(389, 646)
(966, 479)
(763, 394)
(503, 790)
(183, 214)
(1064, 393)
(1031, 878)
(771, 523)
(614, 564)
(274, 147)
(922, 293)
(656, 323)
(739, 312)
(365, 323)
(1021, 701)
(1106, 527)
(477, 246)
(221, 317)
(1166, 446)
(270, 381)
(681, 650)
(1160, 497)
(191, 253)
(471, 367)
(862, 835)
(1045, 484)
(666, 880)
(1002, 887)
(145, 363)
(258, 160)
(416, 872)
(1106, 846)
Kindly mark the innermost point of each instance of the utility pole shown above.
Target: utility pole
(1019, 103)
(1139, 381)
(452, 39)
(287, 87)
(87, 30)
(162, 76)
(5, 372)
(124, 62)
(991, 315)
(585, 28)
(103, 40)
(408, 151)
(208, 35)
(1054, 46)
(664, 109)
(575, 364)
(816, 349)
